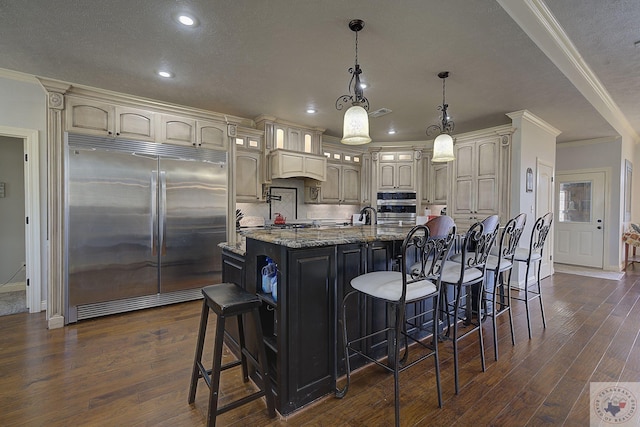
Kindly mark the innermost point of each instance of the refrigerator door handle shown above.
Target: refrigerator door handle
(163, 211)
(154, 213)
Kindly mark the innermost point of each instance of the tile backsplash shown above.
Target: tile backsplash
(291, 205)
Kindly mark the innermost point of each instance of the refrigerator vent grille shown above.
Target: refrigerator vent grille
(146, 148)
(88, 311)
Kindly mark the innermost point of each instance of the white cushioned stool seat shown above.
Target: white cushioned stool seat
(451, 273)
(388, 285)
(522, 254)
(492, 262)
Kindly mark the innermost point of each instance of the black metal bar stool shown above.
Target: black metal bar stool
(226, 300)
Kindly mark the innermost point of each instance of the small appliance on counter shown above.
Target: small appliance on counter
(280, 220)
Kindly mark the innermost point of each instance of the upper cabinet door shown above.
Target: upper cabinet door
(405, 176)
(99, 118)
(133, 123)
(396, 171)
(475, 181)
(177, 130)
(330, 192)
(350, 184)
(90, 117)
(211, 134)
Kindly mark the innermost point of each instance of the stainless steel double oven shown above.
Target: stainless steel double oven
(397, 207)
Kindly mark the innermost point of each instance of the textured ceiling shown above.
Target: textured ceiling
(279, 57)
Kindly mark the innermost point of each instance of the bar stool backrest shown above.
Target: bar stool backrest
(423, 253)
(478, 242)
(539, 235)
(511, 237)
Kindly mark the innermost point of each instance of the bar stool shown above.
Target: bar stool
(421, 265)
(500, 266)
(530, 257)
(464, 271)
(226, 300)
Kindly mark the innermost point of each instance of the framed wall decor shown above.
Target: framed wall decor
(529, 180)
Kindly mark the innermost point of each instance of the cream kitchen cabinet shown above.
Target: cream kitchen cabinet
(249, 168)
(187, 131)
(341, 187)
(283, 135)
(100, 118)
(435, 181)
(476, 189)
(366, 180)
(396, 171)
(291, 164)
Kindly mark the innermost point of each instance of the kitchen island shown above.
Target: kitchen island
(302, 327)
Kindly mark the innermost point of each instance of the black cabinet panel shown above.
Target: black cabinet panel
(351, 261)
(311, 319)
(233, 272)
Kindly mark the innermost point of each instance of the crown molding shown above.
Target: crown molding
(537, 21)
(15, 75)
(532, 118)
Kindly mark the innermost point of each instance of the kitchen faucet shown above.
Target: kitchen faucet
(364, 212)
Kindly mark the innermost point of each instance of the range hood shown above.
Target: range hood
(293, 164)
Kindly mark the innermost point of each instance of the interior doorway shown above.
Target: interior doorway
(26, 143)
(13, 281)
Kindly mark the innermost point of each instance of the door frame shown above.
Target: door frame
(547, 264)
(31, 145)
(607, 204)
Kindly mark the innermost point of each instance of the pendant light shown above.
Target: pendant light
(355, 129)
(443, 144)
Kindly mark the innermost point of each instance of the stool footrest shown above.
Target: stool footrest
(240, 402)
(229, 365)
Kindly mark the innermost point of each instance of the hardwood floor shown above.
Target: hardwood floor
(133, 369)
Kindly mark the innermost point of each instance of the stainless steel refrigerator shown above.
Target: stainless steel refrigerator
(143, 223)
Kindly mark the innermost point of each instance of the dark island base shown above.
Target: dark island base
(302, 329)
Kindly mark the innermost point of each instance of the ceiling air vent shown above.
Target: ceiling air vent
(380, 112)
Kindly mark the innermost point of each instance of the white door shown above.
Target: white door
(579, 238)
(544, 204)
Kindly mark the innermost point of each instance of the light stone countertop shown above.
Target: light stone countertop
(319, 236)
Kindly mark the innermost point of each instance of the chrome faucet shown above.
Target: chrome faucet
(364, 212)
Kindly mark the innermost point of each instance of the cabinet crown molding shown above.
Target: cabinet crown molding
(264, 118)
(532, 118)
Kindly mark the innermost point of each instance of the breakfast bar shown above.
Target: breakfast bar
(300, 325)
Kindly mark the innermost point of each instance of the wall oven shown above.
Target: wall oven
(397, 207)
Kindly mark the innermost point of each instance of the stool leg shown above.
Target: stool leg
(243, 357)
(215, 372)
(262, 354)
(195, 375)
(544, 322)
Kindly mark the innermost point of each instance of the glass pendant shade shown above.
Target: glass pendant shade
(443, 148)
(356, 126)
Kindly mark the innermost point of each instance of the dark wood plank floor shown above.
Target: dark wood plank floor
(133, 369)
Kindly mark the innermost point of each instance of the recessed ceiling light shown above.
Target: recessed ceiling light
(391, 132)
(311, 111)
(187, 20)
(165, 74)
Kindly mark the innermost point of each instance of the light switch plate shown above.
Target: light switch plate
(2, 185)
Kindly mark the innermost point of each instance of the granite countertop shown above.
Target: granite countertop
(319, 236)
